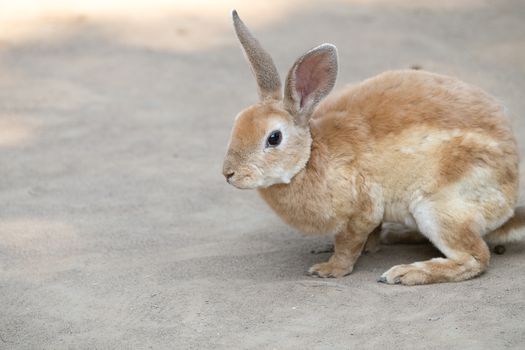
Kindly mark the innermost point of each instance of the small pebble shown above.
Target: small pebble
(499, 249)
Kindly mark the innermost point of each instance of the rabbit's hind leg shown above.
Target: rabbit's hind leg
(456, 235)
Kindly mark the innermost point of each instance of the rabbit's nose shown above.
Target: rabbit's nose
(229, 176)
(228, 170)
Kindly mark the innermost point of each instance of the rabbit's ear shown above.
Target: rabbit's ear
(263, 68)
(311, 78)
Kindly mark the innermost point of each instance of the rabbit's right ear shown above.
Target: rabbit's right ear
(311, 78)
(263, 68)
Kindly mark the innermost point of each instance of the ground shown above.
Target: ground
(117, 229)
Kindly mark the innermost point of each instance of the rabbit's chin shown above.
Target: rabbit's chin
(242, 186)
(244, 183)
(249, 183)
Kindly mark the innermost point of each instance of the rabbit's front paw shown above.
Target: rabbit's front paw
(329, 269)
(408, 275)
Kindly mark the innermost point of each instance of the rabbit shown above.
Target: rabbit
(409, 146)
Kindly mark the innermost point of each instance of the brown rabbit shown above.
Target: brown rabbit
(411, 147)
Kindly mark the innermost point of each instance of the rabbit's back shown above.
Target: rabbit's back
(395, 101)
(421, 134)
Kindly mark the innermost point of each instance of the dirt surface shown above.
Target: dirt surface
(117, 229)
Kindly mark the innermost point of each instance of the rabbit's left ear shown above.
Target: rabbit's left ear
(261, 63)
(311, 78)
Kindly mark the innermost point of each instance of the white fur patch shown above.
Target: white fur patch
(428, 225)
(399, 212)
(421, 140)
(515, 235)
(407, 150)
(478, 188)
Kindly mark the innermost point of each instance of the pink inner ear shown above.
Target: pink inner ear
(311, 76)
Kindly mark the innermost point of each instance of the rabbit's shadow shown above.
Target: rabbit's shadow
(287, 256)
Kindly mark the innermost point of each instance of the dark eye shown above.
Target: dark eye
(274, 139)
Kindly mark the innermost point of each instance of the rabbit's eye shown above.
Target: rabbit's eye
(274, 139)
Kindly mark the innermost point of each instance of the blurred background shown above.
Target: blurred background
(117, 229)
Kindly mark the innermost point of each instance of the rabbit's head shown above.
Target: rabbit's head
(270, 141)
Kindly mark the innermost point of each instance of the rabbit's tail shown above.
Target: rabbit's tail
(511, 231)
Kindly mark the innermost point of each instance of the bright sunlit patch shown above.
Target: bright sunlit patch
(156, 24)
(14, 133)
(34, 233)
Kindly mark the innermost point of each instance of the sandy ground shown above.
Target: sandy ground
(117, 229)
